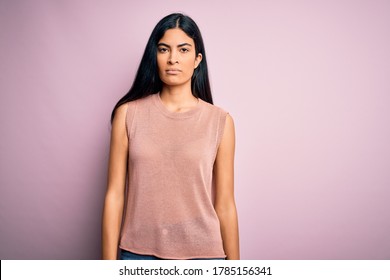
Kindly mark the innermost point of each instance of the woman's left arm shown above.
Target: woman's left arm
(225, 205)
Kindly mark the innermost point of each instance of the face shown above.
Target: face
(176, 58)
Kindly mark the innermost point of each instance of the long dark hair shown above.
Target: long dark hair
(147, 80)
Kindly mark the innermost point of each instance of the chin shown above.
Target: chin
(174, 82)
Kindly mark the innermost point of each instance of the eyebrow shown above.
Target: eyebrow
(179, 46)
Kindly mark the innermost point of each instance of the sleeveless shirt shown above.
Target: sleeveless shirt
(169, 208)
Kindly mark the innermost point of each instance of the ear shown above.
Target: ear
(198, 59)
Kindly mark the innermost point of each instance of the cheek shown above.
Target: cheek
(159, 62)
(189, 65)
(162, 60)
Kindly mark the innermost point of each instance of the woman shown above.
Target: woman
(174, 151)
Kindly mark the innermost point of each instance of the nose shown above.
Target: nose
(173, 59)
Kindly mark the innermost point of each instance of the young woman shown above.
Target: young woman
(170, 181)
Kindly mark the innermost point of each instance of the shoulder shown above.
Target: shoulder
(146, 100)
(137, 102)
(227, 141)
(229, 124)
(215, 109)
(130, 106)
(225, 120)
(118, 126)
(120, 112)
(223, 114)
(222, 119)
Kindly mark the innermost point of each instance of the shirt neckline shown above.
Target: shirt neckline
(176, 115)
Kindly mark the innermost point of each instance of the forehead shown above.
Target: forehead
(176, 36)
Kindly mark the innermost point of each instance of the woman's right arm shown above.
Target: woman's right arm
(115, 195)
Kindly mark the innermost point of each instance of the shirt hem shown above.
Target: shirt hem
(140, 252)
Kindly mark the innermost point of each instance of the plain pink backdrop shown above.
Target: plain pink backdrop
(307, 83)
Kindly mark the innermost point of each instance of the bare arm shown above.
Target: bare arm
(224, 196)
(115, 195)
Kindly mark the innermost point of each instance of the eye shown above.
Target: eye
(184, 50)
(162, 50)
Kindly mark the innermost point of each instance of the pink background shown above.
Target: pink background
(307, 83)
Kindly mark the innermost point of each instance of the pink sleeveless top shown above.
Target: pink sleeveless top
(169, 210)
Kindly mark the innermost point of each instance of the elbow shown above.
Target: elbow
(226, 208)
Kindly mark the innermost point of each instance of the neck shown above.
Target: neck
(178, 98)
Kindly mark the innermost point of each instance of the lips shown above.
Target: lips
(172, 71)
